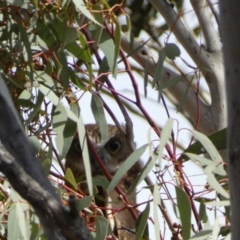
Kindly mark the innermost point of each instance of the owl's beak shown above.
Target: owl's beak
(103, 155)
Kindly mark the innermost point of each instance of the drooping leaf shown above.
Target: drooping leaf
(25, 98)
(158, 73)
(213, 181)
(146, 170)
(219, 140)
(129, 162)
(218, 204)
(22, 220)
(63, 72)
(216, 229)
(184, 208)
(166, 133)
(36, 108)
(47, 92)
(156, 202)
(142, 222)
(202, 235)
(25, 40)
(107, 45)
(84, 147)
(59, 119)
(212, 151)
(70, 178)
(64, 128)
(13, 225)
(101, 228)
(117, 41)
(199, 160)
(98, 113)
(44, 32)
(202, 212)
(82, 7)
(46, 165)
(71, 34)
(172, 82)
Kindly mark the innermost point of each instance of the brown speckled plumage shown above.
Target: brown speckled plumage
(112, 161)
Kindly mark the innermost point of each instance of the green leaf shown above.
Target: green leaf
(64, 128)
(158, 73)
(101, 228)
(166, 133)
(184, 208)
(142, 222)
(70, 178)
(202, 213)
(126, 28)
(46, 165)
(213, 181)
(25, 98)
(99, 116)
(199, 160)
(100, 181)
(218, 139)
(47, 92)
(71, 34)
(145, 79)
(36, 108)
(172, 50)
(117, 41)
(212, 151)
(216, 229)
(107, 45)
(146, 170)
(57, 27)
(22, 221)
(84, 147)
(82, 7)
(25, 40)
(63, 72)
(156, 202)
(34, 142)
(46, 35)
(218, 204)
(84, 203)
(85, 46)
(129, 162)
(79, 52)
(172, 82)
(13, 225)
(18, 3)
(59, 118)
(202, 235)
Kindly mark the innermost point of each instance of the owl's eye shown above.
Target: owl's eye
(77, 147)
(114, 145)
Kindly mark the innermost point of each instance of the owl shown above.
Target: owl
(113, 151)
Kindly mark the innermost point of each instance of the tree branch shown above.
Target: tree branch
(203, 14)
(18, 163)
(213, 118)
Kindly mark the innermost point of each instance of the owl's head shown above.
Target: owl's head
(113, 151)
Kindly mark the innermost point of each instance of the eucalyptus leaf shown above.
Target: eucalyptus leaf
(128, 163)
(98, 113)
(184, 208)
(156, 202)
(101, 228)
